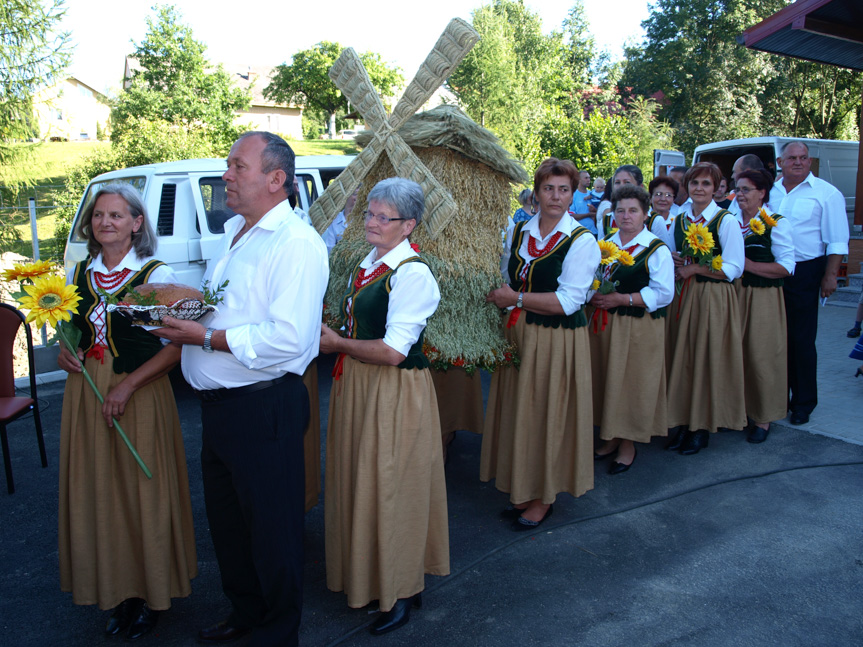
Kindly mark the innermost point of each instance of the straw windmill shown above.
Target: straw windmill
(466, 176)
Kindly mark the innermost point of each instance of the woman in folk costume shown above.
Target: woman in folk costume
(125, 542)
(630, 175)
(538, 435)
(627, 338)
(769, 259)
(705, 379)
(385, 497)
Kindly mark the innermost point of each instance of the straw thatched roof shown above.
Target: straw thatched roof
(448, 127)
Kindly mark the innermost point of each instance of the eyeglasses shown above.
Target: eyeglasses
(383, 220)
(745, 189)
(663, 195)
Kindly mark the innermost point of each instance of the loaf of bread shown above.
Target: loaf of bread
(165, 294)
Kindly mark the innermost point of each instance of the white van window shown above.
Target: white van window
(213, 195)
(137, 182)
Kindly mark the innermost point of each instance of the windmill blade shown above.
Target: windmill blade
(325, 209)
(440, 208)
(350, 76)
(453, 45)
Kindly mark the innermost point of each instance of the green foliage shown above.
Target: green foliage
(305, 81)
(711, 88)
(177, 86)
(33, 55)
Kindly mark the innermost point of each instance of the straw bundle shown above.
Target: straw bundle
(465, 257)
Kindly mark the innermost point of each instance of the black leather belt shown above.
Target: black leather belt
(217, 395)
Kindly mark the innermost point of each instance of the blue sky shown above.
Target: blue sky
(261, 32)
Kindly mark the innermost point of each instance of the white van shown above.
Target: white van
(186, 205)
(832, 160)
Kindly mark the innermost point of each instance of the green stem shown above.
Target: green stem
(92, 384)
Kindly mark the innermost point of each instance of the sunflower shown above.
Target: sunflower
(50, 300)
(625, 258)
(595, 285)
(769, 220)
(756, 226)
(609, 251)
(23, 271)
(699, 238)
(716, 264)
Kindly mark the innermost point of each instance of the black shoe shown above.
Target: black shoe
(143, 624)
(122, 616)
(678, 440)
(854, 333)
(756, 434)
(221, 633)
(522, 524)
(619, 468)
(799, 418)
(396, 617)
(511, 512)
(859, 372)
(695, 442)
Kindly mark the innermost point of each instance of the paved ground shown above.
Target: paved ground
(739, 545)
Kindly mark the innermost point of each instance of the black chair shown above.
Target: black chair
(13, 407)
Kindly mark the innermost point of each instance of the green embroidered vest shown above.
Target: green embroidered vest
(129, 345)
(712, 227)
(634, 278)
(543, 276)
(759, 249)
(368, 309)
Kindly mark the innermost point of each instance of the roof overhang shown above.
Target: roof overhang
(824, 31)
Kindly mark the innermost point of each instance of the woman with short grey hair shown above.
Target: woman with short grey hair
(385, 505)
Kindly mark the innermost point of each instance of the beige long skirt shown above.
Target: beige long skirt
(121, 535)
(627, 362)
(385, 497)
(765, 358)
(312, 438)
(705, 383)
(538, 434)
(459, 399)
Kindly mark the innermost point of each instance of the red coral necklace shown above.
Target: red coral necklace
(112, 279)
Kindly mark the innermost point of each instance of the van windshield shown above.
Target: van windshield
(139, 182)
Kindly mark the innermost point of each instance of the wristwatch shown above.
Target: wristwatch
(519, 303)
(208, 338)
(630, 299)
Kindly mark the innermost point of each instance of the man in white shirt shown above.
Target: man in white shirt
(816, 210)
(246, 364)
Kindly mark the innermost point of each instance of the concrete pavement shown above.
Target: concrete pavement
(740, 545)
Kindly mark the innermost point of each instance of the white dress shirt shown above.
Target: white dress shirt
(277, 273)
(579, 265)
(660, 288)
(816, 210)
(414, 296)
(781, 241)
(730, 238)
(335, 231)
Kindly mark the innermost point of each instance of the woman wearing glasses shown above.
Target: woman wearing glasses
(631, 175)
(662, 190)
(538, 436)
(385, 501)
(769, 259)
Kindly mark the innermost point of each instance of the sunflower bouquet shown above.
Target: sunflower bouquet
(48, 300)
(698, 248)
(761, 223)
(611, 257)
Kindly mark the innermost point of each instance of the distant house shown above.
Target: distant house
(70, 110)
(286, 120)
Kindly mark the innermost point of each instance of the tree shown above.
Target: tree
(708, 85)
(305, 82)
(33, 55)
(177, 87)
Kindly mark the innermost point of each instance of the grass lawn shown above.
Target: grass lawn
(324, 147)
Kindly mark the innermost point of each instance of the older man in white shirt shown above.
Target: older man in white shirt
(816, 211)
(246, 364)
